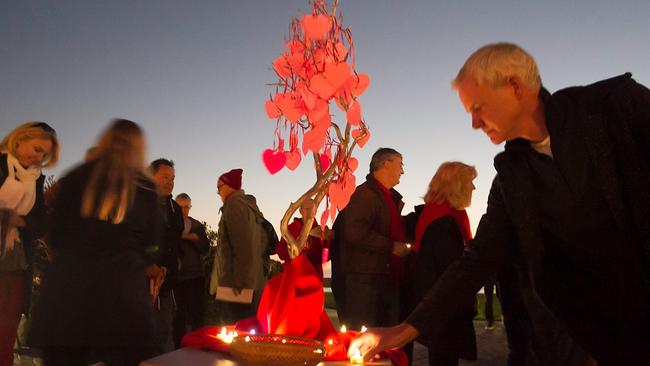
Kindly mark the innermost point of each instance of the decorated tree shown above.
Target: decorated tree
(316, 67)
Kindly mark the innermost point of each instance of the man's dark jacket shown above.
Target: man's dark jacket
(363, 244)
(609, 122)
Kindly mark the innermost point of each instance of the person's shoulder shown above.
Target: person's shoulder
(598, 89)
(195, 222)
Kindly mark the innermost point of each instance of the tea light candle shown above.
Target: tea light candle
(356, 357)
(226, 336)
(344, 329)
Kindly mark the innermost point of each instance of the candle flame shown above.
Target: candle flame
(363, 328)
(344, 329)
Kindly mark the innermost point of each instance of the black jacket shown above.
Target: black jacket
(95, 292)
(362, 243)
(611, 121)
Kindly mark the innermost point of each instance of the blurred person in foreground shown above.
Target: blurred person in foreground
(23, 153)
(441, 233)
(570, 205)
(95, 304)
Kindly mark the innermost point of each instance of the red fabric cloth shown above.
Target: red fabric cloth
(314, 250)
(434, 211)
(293, 304)
(396, 233)
(11, 302)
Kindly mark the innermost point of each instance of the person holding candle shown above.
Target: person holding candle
(569, 206)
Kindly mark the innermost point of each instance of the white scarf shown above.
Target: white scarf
(18, 193)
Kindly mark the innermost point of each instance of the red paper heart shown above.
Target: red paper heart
(293, 159)
(354, 113)
(319, 85)
(315, 26)
(290, 108)
(315, 138)
(325, 162)
(337, 74)
(321, 108)
(357, 133)
(353, 163)
(273, 160)
(308, 97)
(281, 67)
(272, 110)
(360, 83)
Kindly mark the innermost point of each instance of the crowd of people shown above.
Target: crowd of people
(565, 238)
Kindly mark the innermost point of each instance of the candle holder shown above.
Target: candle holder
(276, 350)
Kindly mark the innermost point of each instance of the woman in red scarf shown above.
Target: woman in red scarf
(441, 232)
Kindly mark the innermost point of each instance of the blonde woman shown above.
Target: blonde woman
(441, 232)
(23, 153)
(95, 304)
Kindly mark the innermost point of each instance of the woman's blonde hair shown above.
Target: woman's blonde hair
(28, 131)
(119, 162)
(450, 184)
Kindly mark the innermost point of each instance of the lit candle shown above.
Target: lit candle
(344, 328)
(226, 336)
(363, 328)
(356, 357)
(252, 332)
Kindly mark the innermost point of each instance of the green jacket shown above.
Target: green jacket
(238, 261)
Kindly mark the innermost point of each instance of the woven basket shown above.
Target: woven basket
(276, 350)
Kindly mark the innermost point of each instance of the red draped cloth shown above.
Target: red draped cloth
(293, 304)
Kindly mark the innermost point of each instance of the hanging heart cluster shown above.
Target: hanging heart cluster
(316, 67)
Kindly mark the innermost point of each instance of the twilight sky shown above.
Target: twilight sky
(194, 75)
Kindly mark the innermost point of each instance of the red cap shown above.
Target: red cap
(232, 178)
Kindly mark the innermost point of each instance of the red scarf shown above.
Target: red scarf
(396, 233)
(434, 211)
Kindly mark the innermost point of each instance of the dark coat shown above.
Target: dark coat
(441, 244)
(171, 216)
(95, 293)
(610, 123)
(363, 244)
(192, 252)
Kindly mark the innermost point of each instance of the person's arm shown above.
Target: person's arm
(376, 340)
(203, 243)
(360, 216)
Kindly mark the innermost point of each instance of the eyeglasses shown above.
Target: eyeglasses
(46, 128)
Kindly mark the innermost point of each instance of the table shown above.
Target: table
(197, 357)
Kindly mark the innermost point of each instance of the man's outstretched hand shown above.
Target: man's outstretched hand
(376, 340)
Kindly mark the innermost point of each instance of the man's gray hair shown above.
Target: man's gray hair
(493, 64)
(382, 155)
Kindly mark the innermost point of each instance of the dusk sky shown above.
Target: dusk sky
(194, 74)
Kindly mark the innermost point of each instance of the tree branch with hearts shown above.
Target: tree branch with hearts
(316, 67)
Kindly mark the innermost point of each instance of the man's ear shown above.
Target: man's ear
(517, 86)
